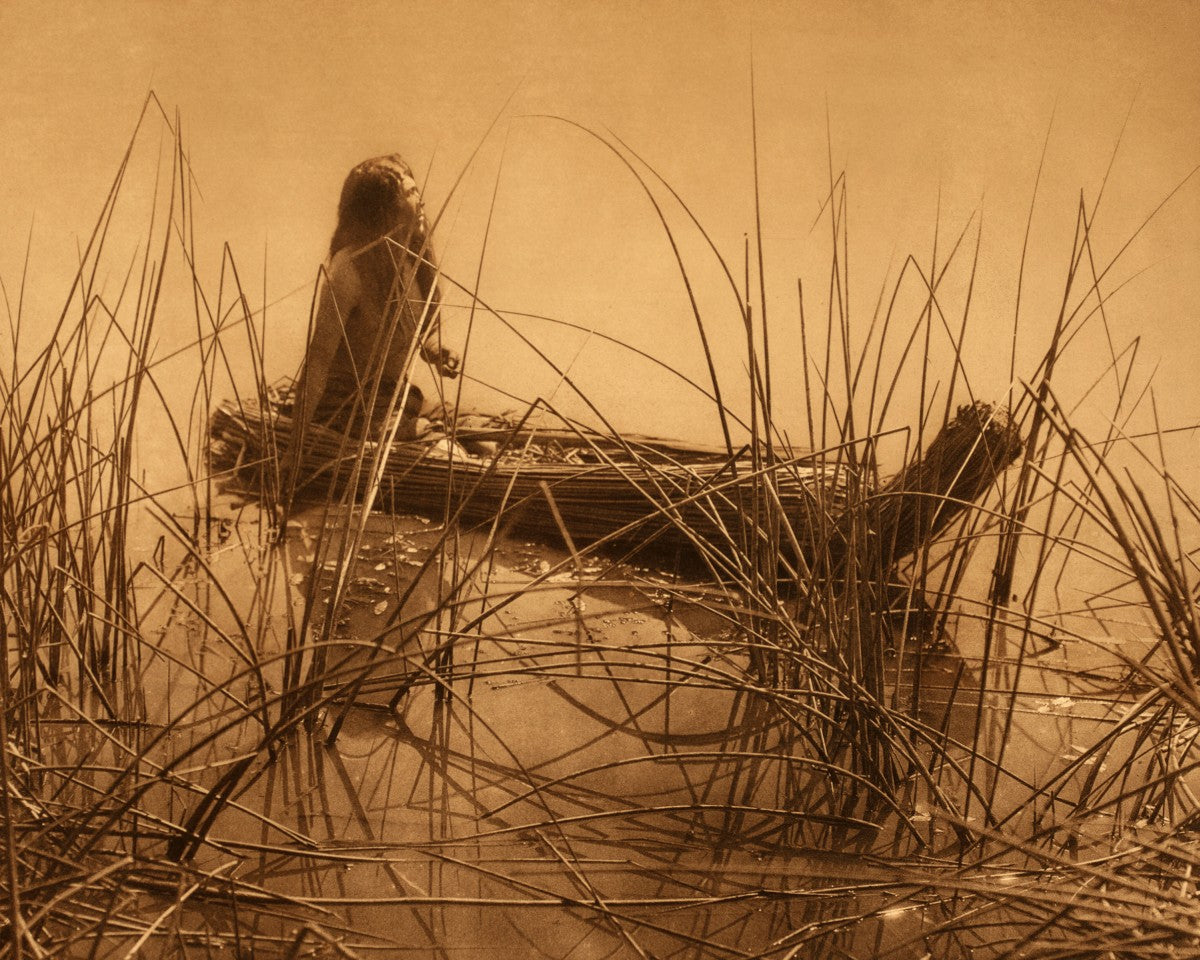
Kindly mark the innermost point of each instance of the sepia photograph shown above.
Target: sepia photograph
(600, 480)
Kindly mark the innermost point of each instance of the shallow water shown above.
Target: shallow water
(582, 772)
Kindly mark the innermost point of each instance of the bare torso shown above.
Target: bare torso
(377, 311)
(377, 323)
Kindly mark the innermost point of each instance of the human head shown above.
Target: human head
(379, 197)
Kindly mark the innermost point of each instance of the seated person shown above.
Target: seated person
(378, 302)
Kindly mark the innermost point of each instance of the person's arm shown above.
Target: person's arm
(442, 357)
(339, 295)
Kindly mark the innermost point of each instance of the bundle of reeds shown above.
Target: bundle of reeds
(634, 489)
(598, 485)
(912, 508)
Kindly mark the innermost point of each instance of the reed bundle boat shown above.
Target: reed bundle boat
(587, 486)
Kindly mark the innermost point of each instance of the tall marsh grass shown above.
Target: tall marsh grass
(206, 705)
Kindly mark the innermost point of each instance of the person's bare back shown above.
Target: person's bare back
(377, 308)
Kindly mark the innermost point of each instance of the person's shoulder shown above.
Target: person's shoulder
(343, 275)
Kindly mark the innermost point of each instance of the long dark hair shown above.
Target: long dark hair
(380, 197)
(381, 221)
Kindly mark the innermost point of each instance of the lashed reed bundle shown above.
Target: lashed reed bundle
(636, 489)
(603, 485)
(935, 487)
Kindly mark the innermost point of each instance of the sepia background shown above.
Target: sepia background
(937, 113)
(808, 737)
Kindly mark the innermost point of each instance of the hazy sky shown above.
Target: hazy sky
(930, 106)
